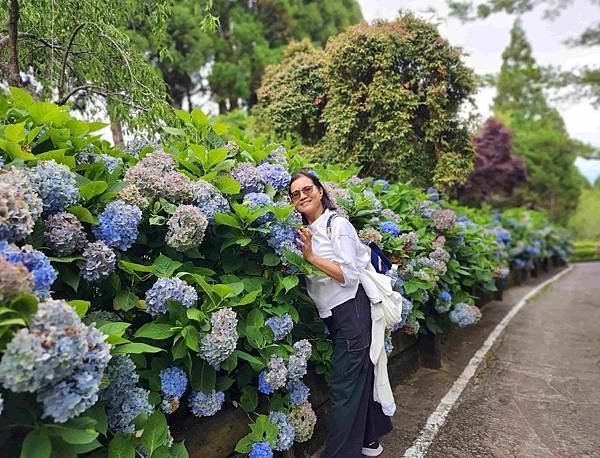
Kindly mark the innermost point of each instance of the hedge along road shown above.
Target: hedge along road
(537, 393)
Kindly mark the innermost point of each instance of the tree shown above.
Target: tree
(384, 96)
(497, 173)
(539, 133)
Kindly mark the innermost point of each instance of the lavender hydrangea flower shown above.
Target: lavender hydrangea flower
(169, 288)
(276, 156)
(124, 399)
(16, 222)
(298, 391)
(14, 280)
(354, 180)
(100, 261)
(425, 208)
(433, 194)
(111, 163)
(299, 359)
(220, 343)
(263, 385)
(173, 382)
(339, 196)
(277, 372)
(55, 184)
(209, 199)
(20, 180)
(206, 405)
(389, 227)
(177, 187)
(280, 325)
(118, 225)
(149, 174)
(443, 219)
(274, 175)
(247, 176)
(464, 314)
(285, 435)
(303, 420)
(261, 450)
(186, 228)
(411, 239)
(439, 242)
(64, 234)
(36, 262)
(439, 254)
(138, 143)
(390, 214)
(259, 199)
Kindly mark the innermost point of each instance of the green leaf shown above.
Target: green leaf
(228, 220)
(125, 300)
(165, 267)
(98, 414)
(135, 348)
(249, 398)
(133, 267)
(255, 318)
(21, 97)
(199, 119)
(191, 337)
(174, 131)
(223, 383)
(15, 132)
(249, 298)
(255, 337)
(244, 445)
(121, 446)
(114, 328)
(223, 291)
(227, 185)
(36, 445)
(92, 189)
(289, 283)
(83, 214)
(256, 364)
(155, 431)
(75, 436)
(271, 259)
(156, 331)
(204, 376)
(220, 128)
(410, 286)
(230, 363)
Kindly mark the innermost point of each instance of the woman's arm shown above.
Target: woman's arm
(331, 268)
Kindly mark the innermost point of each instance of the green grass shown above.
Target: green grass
(584, 224)
(585, 251)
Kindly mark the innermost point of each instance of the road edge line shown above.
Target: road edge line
(435, 421)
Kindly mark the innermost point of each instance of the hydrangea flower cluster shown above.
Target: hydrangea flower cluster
(118, 225)
(276, 374)
(177, 187)
(339, 196)
(298, 391)
(383, 183)
(425, 208)
(390, 214)
(156, 176)
(60, 358)
(259, 199)
(443, 219)
(433, 194)
(387, 343)
(169, 288)
(209, 199)
(137, 144)
(280, 325)
(20, 180)
(263, 386)
(503, 236)
(274, 175)
(261, 450)
(407, 307)
(124, 399)
(232, 148)
(303, 420)
(464, 314)
(282, 238)
(36, 262)
(439, 242)
(110, 162)
(64, 234)
(299, 359)
(99, 261)
(206, 405)
(247, 176)
(173, 383)
(220, 343)
(389, 227)
(14, 280)
(286, 435)
(439, 254)
(411, 326)
(370, 234)
(186, 228)
(373, 198)
(131, 194)
(15, 220)
(55, 184)
(444, 303)
(354, 180)
(410, 238)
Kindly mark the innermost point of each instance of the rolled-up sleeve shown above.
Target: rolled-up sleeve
(345, 244)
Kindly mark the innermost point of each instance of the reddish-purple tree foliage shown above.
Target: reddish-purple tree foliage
(496, 172)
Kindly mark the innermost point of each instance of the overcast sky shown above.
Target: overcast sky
(483, 42)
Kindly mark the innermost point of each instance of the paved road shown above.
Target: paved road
(538, 395)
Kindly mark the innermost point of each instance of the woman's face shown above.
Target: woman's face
(308, 199)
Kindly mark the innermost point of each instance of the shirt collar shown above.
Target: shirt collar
(321, 220)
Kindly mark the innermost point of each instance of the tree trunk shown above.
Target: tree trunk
(222, 107)
(13, 75)
(233, 103)
(117, 131)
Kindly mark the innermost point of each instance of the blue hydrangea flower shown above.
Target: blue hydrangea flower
(280, 325)
(387, 343)
(299, 359)
(36, 262)
(169, 288)
(503, 236)
(110, 162)
(298, 391)
(206, 405)
(285, 435)
(261, 450)
(464, 314)
(259, 199)
(124, 399)
(99, 261)
(383, 183)
(263, 385)
(389, 227)
(519, 263)
(276, 156)
(55, 184)
(118, 225)
(173, 382)
(433, 194)
(275, 175)
(445, 296)
(247, 176)
(209, 199)
(220, 343)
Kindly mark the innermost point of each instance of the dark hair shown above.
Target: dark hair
(326, 200)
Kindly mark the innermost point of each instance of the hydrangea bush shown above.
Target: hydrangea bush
(173, 278)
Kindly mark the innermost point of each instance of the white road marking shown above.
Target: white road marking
(438, 417)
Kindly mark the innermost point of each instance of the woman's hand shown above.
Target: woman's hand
(304, 240)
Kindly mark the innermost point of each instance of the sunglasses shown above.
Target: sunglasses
(306, 190)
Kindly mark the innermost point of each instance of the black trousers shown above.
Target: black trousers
(355, 418)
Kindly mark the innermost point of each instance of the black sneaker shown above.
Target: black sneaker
(373, 449)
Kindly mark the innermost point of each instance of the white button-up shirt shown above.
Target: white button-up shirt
(345, 248)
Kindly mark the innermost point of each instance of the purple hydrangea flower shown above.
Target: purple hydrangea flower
(280, 325)
(64, 234)
(169, 288)
(36, 262)
(100, 261)
(247, 176)
(298, 391)
(118, 226)
(275, 175)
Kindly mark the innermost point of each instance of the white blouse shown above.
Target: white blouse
(344, 248)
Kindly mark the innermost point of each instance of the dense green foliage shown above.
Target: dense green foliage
(384, 96)
(584, 223)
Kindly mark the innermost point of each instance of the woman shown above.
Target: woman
(356, 421)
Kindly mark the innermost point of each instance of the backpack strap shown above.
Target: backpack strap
(329, 221)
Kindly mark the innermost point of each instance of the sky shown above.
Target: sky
(484, 40)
